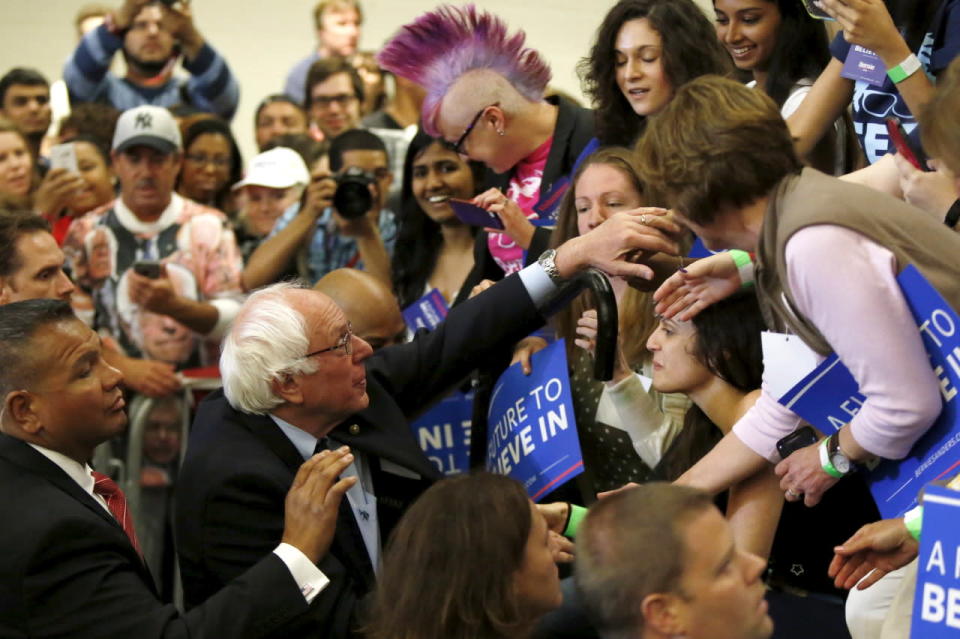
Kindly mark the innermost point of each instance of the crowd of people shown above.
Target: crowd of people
(739, 178)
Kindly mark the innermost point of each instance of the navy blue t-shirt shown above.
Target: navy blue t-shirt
(871, 105)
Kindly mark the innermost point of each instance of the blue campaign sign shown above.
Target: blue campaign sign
(426, 312)
(531, 430)
(829, 397)
(443, 433)
(936, 604)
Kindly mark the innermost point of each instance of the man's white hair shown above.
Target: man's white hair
(267, 341)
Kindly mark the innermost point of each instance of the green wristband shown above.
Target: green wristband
(577, 513)
(913, 520)
(825, 462)
(904, 70)
(741, 259)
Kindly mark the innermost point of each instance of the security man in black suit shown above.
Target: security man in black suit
(70, 565)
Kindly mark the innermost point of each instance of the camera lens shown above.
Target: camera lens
(352, 199)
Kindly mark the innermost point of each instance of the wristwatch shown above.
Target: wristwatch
(832, 459)
(548, 261)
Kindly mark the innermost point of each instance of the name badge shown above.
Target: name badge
(864, 65)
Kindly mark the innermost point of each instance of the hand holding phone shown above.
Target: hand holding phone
(815, 11)
(64, 156)
(800, 438)
(898, 135)
(148, 268)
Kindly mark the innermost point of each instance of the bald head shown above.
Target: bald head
(476, 89)
(369, 305)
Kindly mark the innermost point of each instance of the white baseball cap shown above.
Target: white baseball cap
(278, 168)
(147, 125)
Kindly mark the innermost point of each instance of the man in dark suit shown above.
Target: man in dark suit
(295, 377)
(71, 565)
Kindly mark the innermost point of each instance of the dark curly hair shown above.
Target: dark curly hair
(728, 345)
(690, 49)
(215, 126)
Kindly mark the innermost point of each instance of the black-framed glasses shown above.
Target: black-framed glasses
(457, 146)
(344, 344)
(326, 101)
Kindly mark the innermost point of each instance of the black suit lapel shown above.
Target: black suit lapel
(348, 543)
(364, 432)
(26, 457)
(267, 431)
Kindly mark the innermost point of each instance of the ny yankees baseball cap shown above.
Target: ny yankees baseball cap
(147, 125)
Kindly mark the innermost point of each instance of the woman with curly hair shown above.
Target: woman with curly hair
(644, 51)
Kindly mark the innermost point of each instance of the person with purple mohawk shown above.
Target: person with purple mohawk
(485, 96)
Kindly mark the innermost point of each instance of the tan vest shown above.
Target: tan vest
(812, 198)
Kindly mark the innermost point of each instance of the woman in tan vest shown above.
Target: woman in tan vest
(828, 254)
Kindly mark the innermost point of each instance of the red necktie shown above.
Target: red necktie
(117, 503)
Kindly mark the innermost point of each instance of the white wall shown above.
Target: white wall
(262, 38)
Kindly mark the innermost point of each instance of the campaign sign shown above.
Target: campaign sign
(936, 604)
(426, 312)
(531, 430)
(829, 397)
(698, 250)
(443, 433)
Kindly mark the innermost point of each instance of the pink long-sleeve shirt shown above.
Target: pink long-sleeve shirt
(845, 284)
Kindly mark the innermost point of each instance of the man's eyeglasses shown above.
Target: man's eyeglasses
(327, 101)
(457, 147)
(344, 345)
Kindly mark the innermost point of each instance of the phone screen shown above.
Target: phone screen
(800, 438)
(147, 268)
(814, 11)
(64, 156)
(473, 215)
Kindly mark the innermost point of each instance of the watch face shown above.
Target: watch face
(840, 462)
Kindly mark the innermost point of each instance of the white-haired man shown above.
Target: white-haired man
(296, 378)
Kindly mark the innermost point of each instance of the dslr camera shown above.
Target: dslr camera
(353, 199)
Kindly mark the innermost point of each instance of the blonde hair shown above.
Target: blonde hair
(940, 119)
(635, 309)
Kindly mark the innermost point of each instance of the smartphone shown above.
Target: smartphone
(147, 268)
(902, 143)
(473, 215)
(814, 11)
(800, 438)
(64, 156)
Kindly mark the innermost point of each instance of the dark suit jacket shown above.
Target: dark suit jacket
(67, 569)
(239, 467)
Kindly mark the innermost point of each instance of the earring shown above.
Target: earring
(501, 132)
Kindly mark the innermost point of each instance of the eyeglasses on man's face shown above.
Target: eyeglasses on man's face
(457, 147)
(343, 347)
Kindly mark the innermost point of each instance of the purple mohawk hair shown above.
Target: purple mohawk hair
(440, 46)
